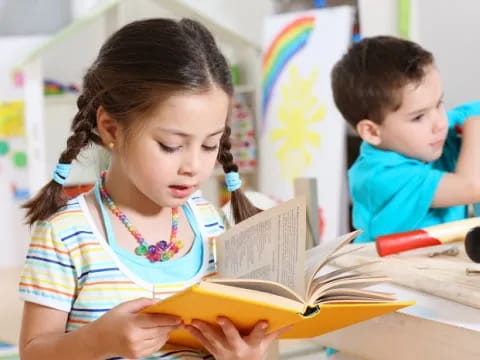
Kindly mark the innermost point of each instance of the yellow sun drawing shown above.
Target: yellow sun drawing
(299, 109)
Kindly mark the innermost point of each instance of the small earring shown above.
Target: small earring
(111, 145)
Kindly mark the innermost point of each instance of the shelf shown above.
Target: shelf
(241, 89)
(61, 99)
(71, 98)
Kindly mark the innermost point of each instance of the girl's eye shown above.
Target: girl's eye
(440, 103)
(418, 118)
(169, 149)
(210, 148)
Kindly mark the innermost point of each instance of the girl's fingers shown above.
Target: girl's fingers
(275, 334)
(232, 336)
(211, 333)
(146, 321)
(135, 305)
(197, 334)
(257, 335)
(153, 345)
(159, 332)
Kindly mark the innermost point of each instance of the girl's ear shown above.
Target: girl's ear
(369, 131)
(107, 127)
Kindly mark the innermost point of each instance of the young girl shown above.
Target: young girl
(158, 98)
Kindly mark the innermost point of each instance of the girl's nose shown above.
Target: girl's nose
(190, 163)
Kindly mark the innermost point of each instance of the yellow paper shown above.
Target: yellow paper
(12, 119)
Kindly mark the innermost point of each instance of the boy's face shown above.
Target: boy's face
(418, 129)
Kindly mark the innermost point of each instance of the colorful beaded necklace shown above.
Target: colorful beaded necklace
(162, 250)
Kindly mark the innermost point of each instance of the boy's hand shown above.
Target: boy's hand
(462, 186)
(224, 341)
(124, 332)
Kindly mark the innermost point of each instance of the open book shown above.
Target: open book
(263, 275)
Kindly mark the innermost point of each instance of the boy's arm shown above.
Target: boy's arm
(463, 186)
(43, 336)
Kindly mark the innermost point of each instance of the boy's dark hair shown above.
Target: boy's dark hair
(137, 66)
(367, 80)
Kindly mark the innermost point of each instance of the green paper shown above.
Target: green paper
(404, 12)
(20, 159)
(4, 148)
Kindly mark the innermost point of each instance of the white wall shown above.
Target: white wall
(378, 17)
(448, 29)
(12, 50)
(243, 17)
(28, 17)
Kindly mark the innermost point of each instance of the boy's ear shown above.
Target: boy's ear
(107, 128)
(369, 131)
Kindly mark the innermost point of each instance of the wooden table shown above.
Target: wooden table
(444, 323)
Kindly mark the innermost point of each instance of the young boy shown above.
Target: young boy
(418, 165)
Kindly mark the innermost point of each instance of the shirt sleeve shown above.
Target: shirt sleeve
(48, 276)
(402, 196)
(458, 115)
(207, 216)
(215, 221)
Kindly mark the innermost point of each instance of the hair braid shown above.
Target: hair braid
(52, 196)
(242, 208)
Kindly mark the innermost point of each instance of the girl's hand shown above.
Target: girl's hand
(225, 342)
(124, 332)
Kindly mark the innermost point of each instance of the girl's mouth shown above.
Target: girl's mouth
(181, 191)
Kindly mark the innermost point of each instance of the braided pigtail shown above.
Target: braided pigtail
(52, 197)
(242, 208)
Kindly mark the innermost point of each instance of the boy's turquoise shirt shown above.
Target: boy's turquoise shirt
(392, 193)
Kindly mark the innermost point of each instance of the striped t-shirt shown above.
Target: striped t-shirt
(70, 267)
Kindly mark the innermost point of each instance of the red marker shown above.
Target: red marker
(431, 235)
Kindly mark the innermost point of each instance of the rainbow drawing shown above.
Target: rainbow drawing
(286, 44)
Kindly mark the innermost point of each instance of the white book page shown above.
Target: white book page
(268, 246)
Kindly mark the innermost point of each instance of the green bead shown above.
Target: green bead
(141, 250)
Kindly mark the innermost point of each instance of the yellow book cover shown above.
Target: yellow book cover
(268, 278)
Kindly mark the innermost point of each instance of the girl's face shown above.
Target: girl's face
(174, 149)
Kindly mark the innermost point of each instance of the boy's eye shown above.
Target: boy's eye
(169, 149)
(210, 148)
(440, 103)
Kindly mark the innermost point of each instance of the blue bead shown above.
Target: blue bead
(162, 244)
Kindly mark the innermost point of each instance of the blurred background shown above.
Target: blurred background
(47, 45)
